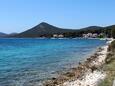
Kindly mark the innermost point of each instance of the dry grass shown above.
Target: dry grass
(110, 69)
(109, 66)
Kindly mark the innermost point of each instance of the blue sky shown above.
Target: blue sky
(20, 15)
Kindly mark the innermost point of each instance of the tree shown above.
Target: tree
(113, 32)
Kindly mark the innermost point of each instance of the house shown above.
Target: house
(90, 35)
(94, 35)
(55, 35)
(58, 36)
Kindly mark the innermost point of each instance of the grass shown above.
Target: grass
(110, 70)
(109, 67)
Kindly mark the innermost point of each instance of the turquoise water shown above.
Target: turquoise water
(27, 62)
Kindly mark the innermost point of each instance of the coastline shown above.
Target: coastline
(88, 73)
(93, 75)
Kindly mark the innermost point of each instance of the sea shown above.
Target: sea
(30, 61)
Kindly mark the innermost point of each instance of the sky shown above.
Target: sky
(20, 15)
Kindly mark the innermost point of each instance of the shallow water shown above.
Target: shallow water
(26, 62)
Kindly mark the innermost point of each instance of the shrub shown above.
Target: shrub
(112, 47)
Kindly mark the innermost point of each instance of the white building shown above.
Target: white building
(90, 35)
(58, 36)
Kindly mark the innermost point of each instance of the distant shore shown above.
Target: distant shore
(88, 73)
(55, 38)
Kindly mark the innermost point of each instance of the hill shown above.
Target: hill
(43, 29)
(46, 30)
(2, 34)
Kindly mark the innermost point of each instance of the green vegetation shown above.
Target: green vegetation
(110, 69)
(112, 47)
(109, 66)
(113, 32)
(101, 36)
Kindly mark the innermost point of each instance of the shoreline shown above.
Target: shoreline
(88, 73)
(93, 75)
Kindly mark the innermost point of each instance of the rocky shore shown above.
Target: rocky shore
(88, 73)
(93, 73)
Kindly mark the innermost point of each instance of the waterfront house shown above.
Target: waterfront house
(58, 36)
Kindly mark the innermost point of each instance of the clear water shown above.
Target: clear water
(26, 62)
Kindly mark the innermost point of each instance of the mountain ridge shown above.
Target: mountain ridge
(43, 29)
(47, 30)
